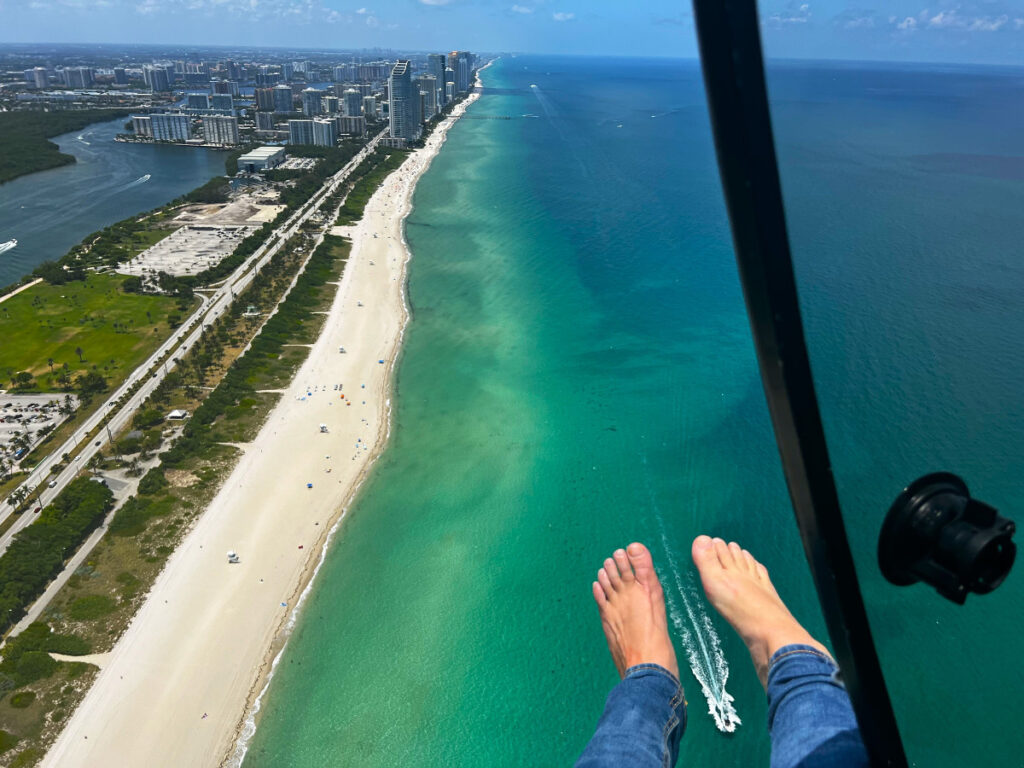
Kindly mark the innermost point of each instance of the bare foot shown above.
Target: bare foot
(632, 606)
(739, 588)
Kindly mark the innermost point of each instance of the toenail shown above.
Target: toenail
(703, 542)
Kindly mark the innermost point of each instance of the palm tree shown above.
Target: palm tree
(49, 362)
(78, 351)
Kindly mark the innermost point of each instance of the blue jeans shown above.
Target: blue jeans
(809, 717)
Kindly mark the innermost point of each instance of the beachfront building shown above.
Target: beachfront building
(436, 65)
(311, 102)
(221, 130)
(351, 126)
(171, 127)
(261, 159)
(403, 103)
(353, 102)
(142, 126)
(282, 98)
(370, 107)
(428, 93)
(300, 131)
(198, 101)
(325, 132)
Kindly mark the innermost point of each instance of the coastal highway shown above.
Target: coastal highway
(110, 418)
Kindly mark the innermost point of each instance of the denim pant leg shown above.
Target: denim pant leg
(643, 721)
(810, 717)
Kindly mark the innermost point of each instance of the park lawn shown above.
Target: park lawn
(116, 331)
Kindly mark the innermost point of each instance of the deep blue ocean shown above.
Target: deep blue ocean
(579, 373)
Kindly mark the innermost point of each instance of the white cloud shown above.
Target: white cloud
(521, 9)
(907, 24)
(953, 20)
(362, 10)
(562, 16)
(799, 15)
(985, 24)
(943, 19)
(864, 22)
(435, 2)
(1018, 23)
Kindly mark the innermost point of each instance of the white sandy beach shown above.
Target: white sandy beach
(176, 687)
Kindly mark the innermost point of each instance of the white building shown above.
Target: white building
(220, 129)
(325, 132)
(171, 127)
(142, 126)
(261, 159)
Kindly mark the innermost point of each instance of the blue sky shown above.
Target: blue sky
(982, 31)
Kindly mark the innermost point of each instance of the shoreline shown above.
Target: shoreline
(203, 656)
(246, 728)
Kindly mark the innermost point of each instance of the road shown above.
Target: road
(109, 418)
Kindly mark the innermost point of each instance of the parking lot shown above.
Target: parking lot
(187, 251)
(27, 419)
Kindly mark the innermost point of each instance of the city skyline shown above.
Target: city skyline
(976, 31)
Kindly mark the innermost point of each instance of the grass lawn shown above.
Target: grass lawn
(116, 331)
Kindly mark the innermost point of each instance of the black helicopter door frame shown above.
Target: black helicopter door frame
(730, 52)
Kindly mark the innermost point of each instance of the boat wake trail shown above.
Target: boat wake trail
(700, 641)
(137, 182)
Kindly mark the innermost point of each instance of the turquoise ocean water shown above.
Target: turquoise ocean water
(579, 373)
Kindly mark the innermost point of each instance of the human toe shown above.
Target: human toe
(622, 562)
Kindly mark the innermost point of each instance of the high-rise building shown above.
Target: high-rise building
(198, 101)
(265, 99)
(300, 131)
(156, 78)
(78, 77)
(311, 102)
(353, 103)
(370, 107)
(142, 125)
(220, 86)
(224, 102)
(428, 87)
(449, 91)
(352, 126)
(403, 103)
(29, 75)
(264, 121)
(331, 105)
(171, 127)
(40, 77)
(287, 72)
(436, 65)
(283, 98)
(120, 76)
(325, 132)
(220, 129)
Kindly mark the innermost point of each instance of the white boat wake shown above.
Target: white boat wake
(137, 182)
(700, 640)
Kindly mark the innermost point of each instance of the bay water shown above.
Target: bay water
(579, 373)
(50, 211)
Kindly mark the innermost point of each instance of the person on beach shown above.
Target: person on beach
(810, 717)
